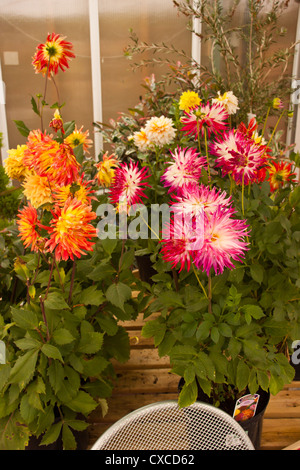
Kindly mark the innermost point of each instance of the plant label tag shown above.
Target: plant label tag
(245, 407)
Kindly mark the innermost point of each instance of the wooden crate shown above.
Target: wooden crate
(146, 379)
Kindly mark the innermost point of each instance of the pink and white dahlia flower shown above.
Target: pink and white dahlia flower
(184, 169)
(224, 242)
(210, 117)
(242, 158)
(128, 185)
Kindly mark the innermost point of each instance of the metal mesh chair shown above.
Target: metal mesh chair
(165, 426)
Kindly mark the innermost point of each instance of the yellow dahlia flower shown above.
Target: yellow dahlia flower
(37, 190)
(14, 164)
(188, 100)
(79, 137)
(106, 170)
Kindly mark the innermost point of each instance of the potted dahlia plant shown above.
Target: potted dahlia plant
(63, 289)
(226, 262)
(138, 141)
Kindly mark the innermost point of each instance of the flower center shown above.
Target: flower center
(214, 237)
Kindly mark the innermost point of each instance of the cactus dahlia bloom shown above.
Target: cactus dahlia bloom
(52, 160)
(221, 242)
(80, 190)
(14, 164)
(41, 149)
(184, 169)
(128, 185)
(279, 174)
(209, 117)
(71, 231)
(178, 241)
(222, 146)
(52, 55)
(242, 158)
(78, 137)
(195, 199)
(64, 169)
(28, 225)
(106, 170)
(224, 242)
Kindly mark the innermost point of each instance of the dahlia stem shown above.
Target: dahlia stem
(44, 96)
(206, 151)
(37, 269)
(175, 277)
(49, 281)
(199, 282)
(209, 293)
(264, 128)
(243, 187)
(72, 281)
(57, 93)
(231, 184)
(59, 277)
(151, 230)
(44, 317)
(276, 125)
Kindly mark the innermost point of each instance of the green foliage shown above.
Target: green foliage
(9, 197)
(254, 313)
(60, 341)
(241, 55)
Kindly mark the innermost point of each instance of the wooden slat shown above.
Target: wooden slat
(137, 341)
(279, 433)
(286, 404)
(294, 446)
(121, 405)
(145, 381)
(143, 358)
(139, 322)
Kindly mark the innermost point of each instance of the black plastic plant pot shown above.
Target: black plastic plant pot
(252, 426)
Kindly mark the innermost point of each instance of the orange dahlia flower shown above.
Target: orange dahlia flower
(65, 168)
(50, 159)
(279, 174)
(71, 231)
(28, 225)
(52, 55)
(41, 149)
(80, 190)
